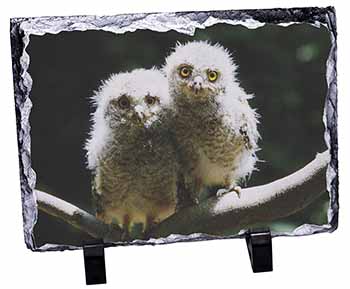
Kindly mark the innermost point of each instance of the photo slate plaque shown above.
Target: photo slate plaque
(166, 127)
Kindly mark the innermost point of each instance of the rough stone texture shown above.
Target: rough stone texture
(183, 22)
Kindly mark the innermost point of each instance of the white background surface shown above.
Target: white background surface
(319, 261)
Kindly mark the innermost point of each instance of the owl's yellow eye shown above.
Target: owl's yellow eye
(185, 71)
(150, 100)
(212, 75)
(123, 102)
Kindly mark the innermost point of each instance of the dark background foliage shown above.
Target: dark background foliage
(284, 67)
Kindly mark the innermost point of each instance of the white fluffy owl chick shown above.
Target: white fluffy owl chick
(216, 129)
(129, 150)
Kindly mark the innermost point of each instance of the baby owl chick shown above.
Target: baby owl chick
(216, 129)
(129, 151)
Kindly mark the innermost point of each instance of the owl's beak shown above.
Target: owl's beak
(139, 115)
(197, 84)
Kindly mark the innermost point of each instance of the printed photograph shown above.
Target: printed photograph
(149, 134)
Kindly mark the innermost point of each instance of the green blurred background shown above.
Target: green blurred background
(284, 67)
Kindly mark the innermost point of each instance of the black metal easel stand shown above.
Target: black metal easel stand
(259, 243)
(94, 260)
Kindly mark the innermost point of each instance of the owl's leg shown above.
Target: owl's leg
(126, 227)
(186, 192)
(193, 189)
(236, 189)
(229, 187)
(197, 189)
(100, 216)
(150, 223)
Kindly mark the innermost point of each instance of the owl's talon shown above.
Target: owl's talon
(237, 190)
(221, 192)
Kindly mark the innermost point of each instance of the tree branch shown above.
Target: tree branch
(275, 200)
(77, 217)
(278, 199)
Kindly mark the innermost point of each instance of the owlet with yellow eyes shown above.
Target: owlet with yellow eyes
(215, 127)
(130, 151)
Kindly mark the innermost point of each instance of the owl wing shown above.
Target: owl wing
(247, 126)
(242, 120)
(96, 197)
